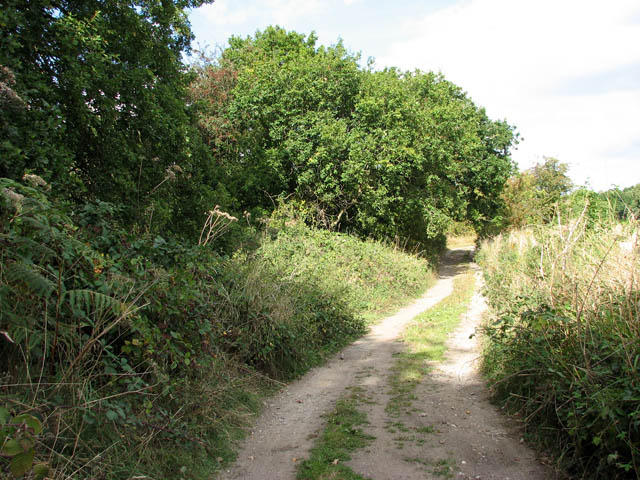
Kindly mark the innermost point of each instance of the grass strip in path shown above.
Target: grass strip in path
(342, 436)
(426, 339)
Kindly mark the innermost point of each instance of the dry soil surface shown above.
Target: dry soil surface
(451, 431)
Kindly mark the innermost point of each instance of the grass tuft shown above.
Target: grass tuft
(426, 339)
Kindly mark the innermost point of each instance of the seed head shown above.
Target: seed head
(14, 197)
(35, 180)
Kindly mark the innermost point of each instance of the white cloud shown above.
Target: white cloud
(226, 13)
(229, 13)
(284, 12)
(592, 133)
(571, 37)
(514, 57)
(565, 72)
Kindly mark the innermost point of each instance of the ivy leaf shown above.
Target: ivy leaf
(12, 447)
(4, 415)
(27, 443)
(111, 415)
(40, 471)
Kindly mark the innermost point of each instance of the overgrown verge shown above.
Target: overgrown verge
(129, 355)
(563, 344)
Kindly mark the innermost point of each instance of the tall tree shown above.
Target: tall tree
(551, 178)
(532, 196)
(103, 85)
(627, 202)
(383, 154)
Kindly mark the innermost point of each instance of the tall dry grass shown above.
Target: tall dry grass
(563, 342)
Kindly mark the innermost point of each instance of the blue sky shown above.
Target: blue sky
(566, 73)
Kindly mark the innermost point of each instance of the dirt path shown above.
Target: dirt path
(461, 435)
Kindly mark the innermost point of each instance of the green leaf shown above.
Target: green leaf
(4, 415)
(31, 421)
(40, 471)
(21, 464)
(91, 300)
(27, 443)
(12, 447)
(21, 272)
(111, 415)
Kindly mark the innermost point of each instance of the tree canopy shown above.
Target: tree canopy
(380, 153)
(99, 102)
(628, 203)
(532, 196)
(102, 109)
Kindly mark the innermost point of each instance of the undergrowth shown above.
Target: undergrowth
(134, 355)
(563, 346)
(366, 274)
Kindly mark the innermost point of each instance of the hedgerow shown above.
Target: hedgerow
(120, 347)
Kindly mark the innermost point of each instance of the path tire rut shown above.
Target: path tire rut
(471, 439)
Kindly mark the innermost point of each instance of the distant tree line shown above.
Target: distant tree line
(544, 192)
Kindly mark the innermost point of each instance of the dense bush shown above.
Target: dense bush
(94, 101)
(563, 342)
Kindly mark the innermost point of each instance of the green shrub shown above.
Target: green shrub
(305, 291)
